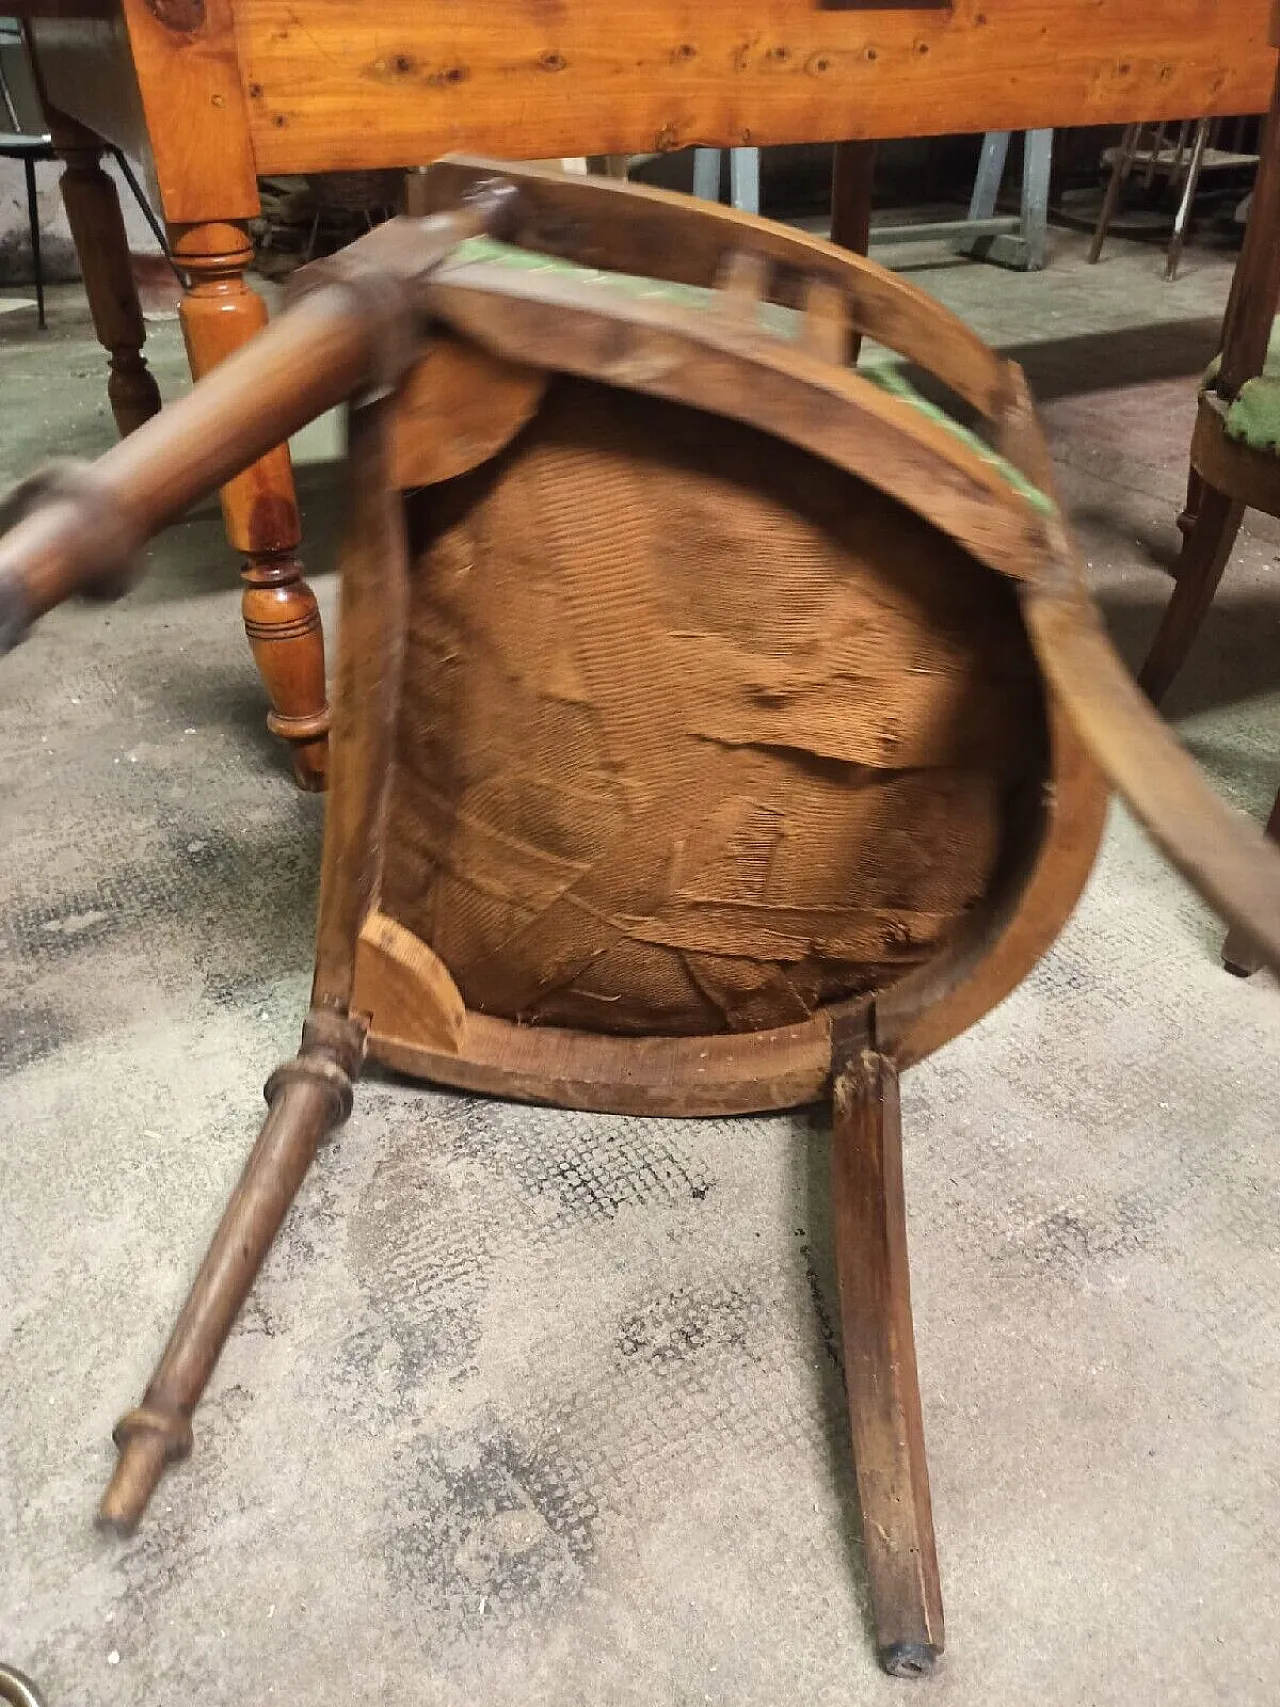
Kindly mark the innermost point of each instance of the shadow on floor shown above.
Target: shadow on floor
(1117, 359)
(1235, 658)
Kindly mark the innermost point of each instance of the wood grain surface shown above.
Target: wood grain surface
(338, 85)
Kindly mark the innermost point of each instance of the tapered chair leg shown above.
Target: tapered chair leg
(1120, 169)
(1185, 205)
(1203, 558)
(308, 1098)
(1238, 953)
(880, 1365)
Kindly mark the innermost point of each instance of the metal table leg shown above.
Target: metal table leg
(1023, 245)
(744, 179)
(706, 174)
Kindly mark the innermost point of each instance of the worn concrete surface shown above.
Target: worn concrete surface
(537, 1408)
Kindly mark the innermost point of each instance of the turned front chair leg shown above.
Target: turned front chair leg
(880, 1365)
(281, 618)
(102, 246)
(308, 1098)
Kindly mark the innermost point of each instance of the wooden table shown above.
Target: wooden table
(219, 92)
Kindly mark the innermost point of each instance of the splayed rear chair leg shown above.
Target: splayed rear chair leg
(880, 1364)
(308, 1098)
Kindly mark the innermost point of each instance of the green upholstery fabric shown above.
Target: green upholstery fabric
(1254, 418)
(783, 322)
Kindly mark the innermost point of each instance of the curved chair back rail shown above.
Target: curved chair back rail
(660, 234)
(724, 353)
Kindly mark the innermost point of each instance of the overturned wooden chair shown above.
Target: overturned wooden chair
(718, 728)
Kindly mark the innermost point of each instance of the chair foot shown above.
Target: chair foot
(908, 1659)
(146, 1444)
(1237, 959)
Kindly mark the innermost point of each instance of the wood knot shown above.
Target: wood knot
(553, 62)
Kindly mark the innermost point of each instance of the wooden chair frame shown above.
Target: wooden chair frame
(382, 995)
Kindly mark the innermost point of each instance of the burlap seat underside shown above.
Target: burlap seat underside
(697, 732)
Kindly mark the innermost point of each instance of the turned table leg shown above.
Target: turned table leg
(97, 227)
(880, 1364)
(219, 313)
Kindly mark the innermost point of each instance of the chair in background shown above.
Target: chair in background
(1235, 448)
(32, 150)
(1186, 158)
(35, 148)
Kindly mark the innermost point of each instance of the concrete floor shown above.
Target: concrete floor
(544, 1409)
